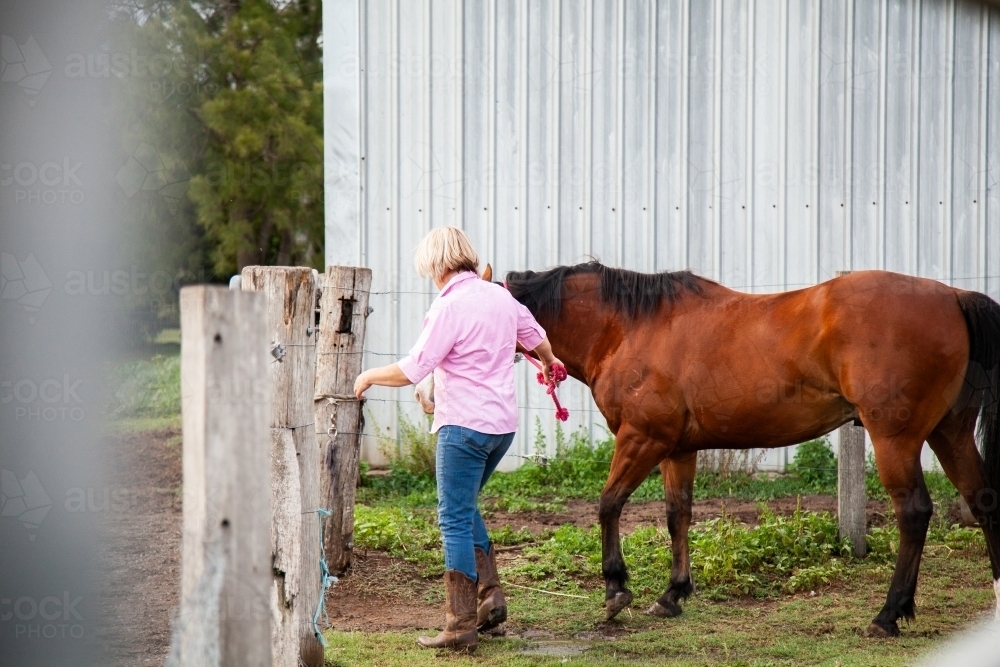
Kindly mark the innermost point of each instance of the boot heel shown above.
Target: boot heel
(496, 616)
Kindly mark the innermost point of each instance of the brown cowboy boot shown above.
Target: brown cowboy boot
(460, 616)
(492, 609)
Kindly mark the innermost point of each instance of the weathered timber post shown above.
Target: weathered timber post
(226, 553)
(294, 484)
(339, 421)
(852, 498)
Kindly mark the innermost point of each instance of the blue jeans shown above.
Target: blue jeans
(465, 461)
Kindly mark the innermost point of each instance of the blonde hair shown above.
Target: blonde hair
(445, 249)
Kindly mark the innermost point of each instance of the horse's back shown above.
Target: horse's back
(794, 365)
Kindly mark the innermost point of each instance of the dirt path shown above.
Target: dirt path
(141, 561)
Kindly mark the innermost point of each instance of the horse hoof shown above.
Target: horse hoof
(879, 631)
(613, 606)
(669, 610)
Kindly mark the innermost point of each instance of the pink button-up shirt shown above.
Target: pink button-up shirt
(468, 341)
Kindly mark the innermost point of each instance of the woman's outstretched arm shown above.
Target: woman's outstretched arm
(384, 376)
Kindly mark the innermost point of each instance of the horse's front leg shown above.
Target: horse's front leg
(678, 489)
(635, 455)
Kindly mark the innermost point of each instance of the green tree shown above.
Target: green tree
(228, 93)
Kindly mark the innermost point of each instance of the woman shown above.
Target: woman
(468, 342)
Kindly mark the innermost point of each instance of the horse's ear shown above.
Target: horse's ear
(488, 273)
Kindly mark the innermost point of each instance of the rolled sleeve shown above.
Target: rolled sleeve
(435, 342)
(530, 333)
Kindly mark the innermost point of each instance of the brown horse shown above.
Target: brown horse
(678, 363)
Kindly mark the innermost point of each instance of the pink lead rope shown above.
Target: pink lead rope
(558, 375)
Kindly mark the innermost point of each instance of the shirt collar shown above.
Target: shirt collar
(458, 278)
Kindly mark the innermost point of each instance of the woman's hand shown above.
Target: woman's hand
(386, 376)
(361, 385)
(548, 365)
(544, 353)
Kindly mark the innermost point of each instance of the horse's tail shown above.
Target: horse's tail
(982, 377)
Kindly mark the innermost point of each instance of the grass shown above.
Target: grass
(821, 626)
(146, 389)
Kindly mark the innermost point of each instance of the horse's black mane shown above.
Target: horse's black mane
(631, 293)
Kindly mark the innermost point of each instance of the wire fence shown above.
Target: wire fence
(594, 414)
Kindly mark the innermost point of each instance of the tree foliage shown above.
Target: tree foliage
(225, 98)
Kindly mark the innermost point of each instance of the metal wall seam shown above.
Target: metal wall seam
(619, 197)
(949, 124)
(653, 61)
(459, 128)
(685, 217)
(881, 159)
(848, 196)
(363, 216)
(981, 220)
(587, 193)
(716, 198)
(396, 334)
(814, 223)
(782, 190)
(914, 260)
(491, 133)
(524, 37)
(749, 177)
(428, 125)
(555, 109)
(992, 139)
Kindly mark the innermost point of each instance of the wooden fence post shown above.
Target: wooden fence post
(290, 294)
(852, 498)
(226, 566)
(339, 420)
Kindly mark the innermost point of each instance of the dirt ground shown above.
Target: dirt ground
(379, 593)
(141, 561)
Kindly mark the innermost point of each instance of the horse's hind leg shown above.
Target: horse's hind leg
(635, 455)
(898, 460)
(954, 443)
(678, 487)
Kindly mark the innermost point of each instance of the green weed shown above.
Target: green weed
(413, 535)
(148, 388)
(410, 535)
(728, 558)
(815, 465)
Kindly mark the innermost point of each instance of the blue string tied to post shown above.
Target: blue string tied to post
(325, 581)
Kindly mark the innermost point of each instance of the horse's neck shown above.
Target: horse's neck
(581, 339)
(588, 332)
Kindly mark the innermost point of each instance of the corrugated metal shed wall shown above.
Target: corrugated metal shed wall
(764, 143)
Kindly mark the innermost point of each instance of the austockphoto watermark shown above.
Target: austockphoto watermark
(26, 282)
(50, 617)
(55, 181)
(166, 74)
(24, 499)
(101, 500)
(24, 64)
(54, 399)
(260, 173)
(119, 282)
